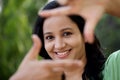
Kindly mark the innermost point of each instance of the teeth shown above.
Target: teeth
(62, 53)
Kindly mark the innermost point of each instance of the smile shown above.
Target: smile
(63, 55)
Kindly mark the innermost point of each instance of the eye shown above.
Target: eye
(49, 38)
(67, 34)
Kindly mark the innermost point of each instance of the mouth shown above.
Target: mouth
(63, 54)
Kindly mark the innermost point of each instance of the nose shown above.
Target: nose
(59, 44)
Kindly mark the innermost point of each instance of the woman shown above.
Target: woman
(95, 58)
(62, 39)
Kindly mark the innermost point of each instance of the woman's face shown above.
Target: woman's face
(62, 38)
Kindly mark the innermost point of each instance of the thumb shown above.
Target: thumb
(57, 11)
(90, 27)
(89, 31)
(34, 51)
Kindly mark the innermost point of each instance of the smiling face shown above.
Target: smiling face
(62, 38)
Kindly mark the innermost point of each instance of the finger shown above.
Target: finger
(71, 64)
(60, 65)
(51, 63)
(58, 69)
(62, 2)
(67, 63)
(89, 32)
(57, 11)
(90, 29)
(34, 51)
(91, 25)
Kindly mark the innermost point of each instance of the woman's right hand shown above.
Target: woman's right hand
(33, 69)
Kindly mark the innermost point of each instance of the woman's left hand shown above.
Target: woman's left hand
(90, 10)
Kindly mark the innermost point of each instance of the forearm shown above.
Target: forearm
(113, 7)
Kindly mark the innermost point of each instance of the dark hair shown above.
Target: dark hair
(95, 58)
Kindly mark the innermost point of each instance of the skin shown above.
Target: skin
(31, 62)
(33, 69)
(91, 10)
(63, 41)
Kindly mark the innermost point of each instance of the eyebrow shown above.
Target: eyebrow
(66, 29)
(47, 33)
(60, 31)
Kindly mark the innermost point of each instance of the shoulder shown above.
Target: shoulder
(114, 57)
(112, 67)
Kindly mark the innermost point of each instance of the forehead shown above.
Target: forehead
(58, 19)
(58, 22)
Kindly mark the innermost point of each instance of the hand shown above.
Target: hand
(32, 69)
(90, 10)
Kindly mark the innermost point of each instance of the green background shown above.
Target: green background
(17, 18)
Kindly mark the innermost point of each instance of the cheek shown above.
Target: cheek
(48, 47)
(76, 42)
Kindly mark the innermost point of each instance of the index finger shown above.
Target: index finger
(61, 63)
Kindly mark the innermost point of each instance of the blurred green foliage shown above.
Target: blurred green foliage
(16, 22)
